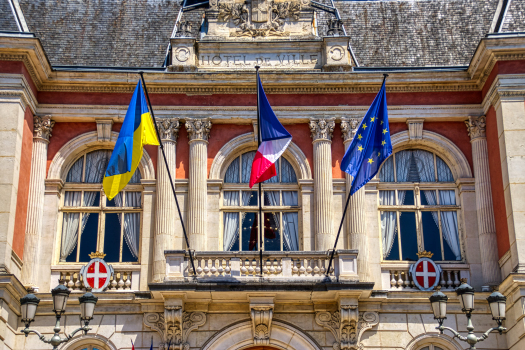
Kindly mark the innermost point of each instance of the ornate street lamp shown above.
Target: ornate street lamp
(60, 295)
(465, 293)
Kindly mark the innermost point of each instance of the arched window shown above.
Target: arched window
(431, 347)
(90, 222)
(240, 208)
(418, 207)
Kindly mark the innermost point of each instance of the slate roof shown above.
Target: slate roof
(123, 33)
(7, 19)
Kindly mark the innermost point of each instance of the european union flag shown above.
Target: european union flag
(371, 144)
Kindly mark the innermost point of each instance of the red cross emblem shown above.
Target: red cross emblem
(425, 274)
(96, 275)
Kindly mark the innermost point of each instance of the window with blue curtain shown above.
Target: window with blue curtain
(418, 207)
(280, 203)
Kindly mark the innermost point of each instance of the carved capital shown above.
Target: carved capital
(174, 325)
(322, 128)
(348, 128)
(168, 129)
(198, 129)
(42, 127)
(346, 327)
(476, 127)
(261, 323)
(415, 129)
(173, 319)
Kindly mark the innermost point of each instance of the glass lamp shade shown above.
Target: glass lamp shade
(466, 297)
(87, 306)
(438, 301)
(28, 307)
(497, 305)
(60, 294)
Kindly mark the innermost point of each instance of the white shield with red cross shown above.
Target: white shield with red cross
(425, 274)
(96, 275)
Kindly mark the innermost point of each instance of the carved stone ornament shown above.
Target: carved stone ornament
(335, 27)
(174, 326)
(261, 324)
(42, 127)
(476, 127)
(322, 128)
(346, 327)
(198, 129)
(271, 15)
(104, 129)
(168, 129)
(348, 128)
(415, 129)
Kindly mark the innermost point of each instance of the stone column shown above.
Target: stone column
(35, 205)
(485, 211)
(355, 217)
(198, 133)
(322, 129)
(166, 209)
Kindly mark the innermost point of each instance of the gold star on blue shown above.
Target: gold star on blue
(360, 148)
(372, 119)
(385, 131)
(370, 160)
(383, 143)
(359, 136)
(364, 126)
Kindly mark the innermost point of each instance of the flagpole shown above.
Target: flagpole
(169, 173)
(261, 219)
(344, 214)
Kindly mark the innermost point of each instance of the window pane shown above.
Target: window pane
(250, 232)
(96, 164)
(387, 197)
(387, 171)
(403, 165)
(428, 197)
(89, 235)
(133, 199)
(135, 179)
(112, 237)
(431, 233)
(287, 172)
(247, 160)
(68, 250)
(425, 165)
(389, 235)
(274, 179)
(290, 198)
(231, 198)
(447, 197)
(231, 232)
(130, 248)
(271, 198)
(443, 171)
(425, 348)
(249, 198)
(407, 224)
(75, 173)
(232, 174)
(72, 199)
(449, 229)
(91, 199)
(272, 236)
(290, 231)
(405, 197)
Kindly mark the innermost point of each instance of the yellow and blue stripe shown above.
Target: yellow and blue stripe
(137, 130)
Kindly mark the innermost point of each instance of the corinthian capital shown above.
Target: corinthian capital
(348, 128)
(198, 129)
(42, 127)
(168, 129)
(322, 128)
(476, 127)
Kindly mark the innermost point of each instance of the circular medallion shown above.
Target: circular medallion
(182, 54)
(96, 275)
(337, 53)
(425, 274)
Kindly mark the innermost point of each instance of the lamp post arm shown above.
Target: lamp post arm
(85, 329)
(456, 334)
(26, 331)
(485, 335)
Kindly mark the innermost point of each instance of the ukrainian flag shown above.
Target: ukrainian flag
(137, 130)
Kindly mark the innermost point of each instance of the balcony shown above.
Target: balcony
(245, 266)
(125, 278)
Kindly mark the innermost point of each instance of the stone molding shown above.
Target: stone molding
(346, 326)
(174, 325)
(322, 129)
(42, 126)
(261, 323)
(476, 127)
(198, 129)
(104, 129)
(168, 129)
(348, 128)
(415, 129)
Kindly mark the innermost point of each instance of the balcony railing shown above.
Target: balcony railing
(294, 266)
(396, 276)
(125, 278)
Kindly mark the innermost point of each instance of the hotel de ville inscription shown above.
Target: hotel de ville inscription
(275, 34)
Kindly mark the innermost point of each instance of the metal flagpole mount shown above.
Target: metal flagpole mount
(261, 220)
(169, 174)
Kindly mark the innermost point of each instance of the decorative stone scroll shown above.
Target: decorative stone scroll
(174, 326)
(42, 126)
(198, 129)
(476, 127)
(168, 129)
(322, 129)
(346, 326)
(348, 128)
(261, 324)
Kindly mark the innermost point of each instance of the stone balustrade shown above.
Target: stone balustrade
(276, 265)
(397, 277)
(125, 278)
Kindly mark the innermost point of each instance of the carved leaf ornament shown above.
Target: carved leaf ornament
(348, 336)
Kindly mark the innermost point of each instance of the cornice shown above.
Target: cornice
(504, 89)
(24, 97)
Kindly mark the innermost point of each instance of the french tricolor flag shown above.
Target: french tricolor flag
(274, 140)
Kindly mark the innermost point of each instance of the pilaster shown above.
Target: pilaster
(356, 219)
(322, 129)
(198, 133)
(165, 209)
(485, 211)
(42, 127)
